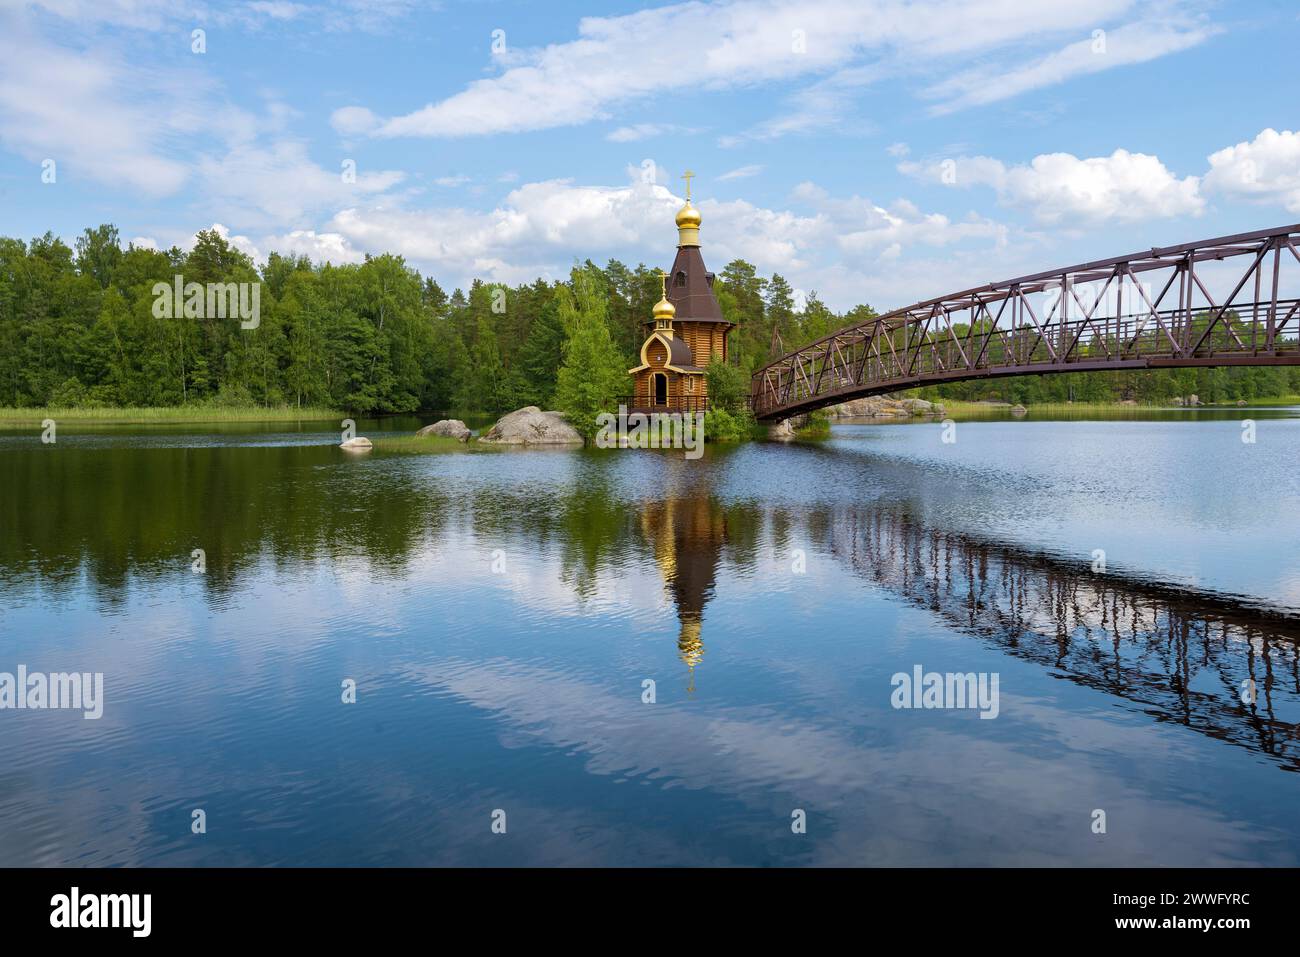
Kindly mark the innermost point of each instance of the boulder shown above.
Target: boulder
(358, 444)
(1018, 410)
(1241, 402)
(781, 431)
(531, 426)
(448, 429)
(876, 406)
(1193, 399)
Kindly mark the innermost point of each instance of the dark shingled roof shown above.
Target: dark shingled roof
(694, 301)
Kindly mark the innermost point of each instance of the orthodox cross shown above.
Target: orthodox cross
(687, 176)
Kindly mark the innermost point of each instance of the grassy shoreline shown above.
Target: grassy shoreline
(960, 406)
(410, 444)
(144, 415)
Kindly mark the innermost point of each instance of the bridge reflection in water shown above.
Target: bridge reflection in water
(1210, 662)
(1216, 664)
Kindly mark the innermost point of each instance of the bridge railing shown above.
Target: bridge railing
(1106, 315)
(685, 403)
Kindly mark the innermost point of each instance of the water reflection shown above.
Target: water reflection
(1224, 667)
(482, 689)
(1206, 661)
(687, 536)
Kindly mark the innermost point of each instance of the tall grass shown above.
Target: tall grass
(166, 414)
(421, 444)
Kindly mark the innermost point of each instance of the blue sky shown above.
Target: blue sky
(870, 150)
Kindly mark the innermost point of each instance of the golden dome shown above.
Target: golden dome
(688, 215)
(663, 309)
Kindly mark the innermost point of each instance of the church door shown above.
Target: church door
(661, 389)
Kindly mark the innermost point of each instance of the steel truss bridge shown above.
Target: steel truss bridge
(1215, 302)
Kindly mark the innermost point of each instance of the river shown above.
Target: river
(627, 657)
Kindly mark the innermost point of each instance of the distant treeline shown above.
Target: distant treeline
(79, 328)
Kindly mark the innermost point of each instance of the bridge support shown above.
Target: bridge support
(782, 430)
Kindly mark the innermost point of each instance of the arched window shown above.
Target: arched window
(679, 279)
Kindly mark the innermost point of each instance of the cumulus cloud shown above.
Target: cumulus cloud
(319, 247)
(242, 243)
(1264, 170)
(841, 247)
(1059, 188)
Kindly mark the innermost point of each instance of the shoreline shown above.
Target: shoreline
(162, 415)
(958, 405)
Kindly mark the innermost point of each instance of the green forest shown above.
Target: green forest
(79, 329)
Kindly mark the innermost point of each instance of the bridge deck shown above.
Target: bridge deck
(1211, 303)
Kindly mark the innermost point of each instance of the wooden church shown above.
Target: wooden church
(687, 330)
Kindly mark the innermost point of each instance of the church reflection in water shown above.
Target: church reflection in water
(1223, 666)
(687, 535)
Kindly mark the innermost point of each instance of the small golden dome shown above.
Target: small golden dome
(663, 309)
(688, 215)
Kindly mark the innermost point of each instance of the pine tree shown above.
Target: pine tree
(594, 374)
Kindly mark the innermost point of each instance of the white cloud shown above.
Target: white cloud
(1059, 188)
(278, 9)
(452, 181)
(136, 14)
(334, 15)
(843, 248)
(66, 106)
(242, 243)
(279, 185)
(898, 150)
(644, 131)
(620, 59)
(1101, 50)
(742, 172)
(353, 120)
(1265, 170)
(319, 247)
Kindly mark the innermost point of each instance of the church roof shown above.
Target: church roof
(680, 357)
(693, 299)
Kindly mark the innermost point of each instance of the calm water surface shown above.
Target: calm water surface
(501, 611)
